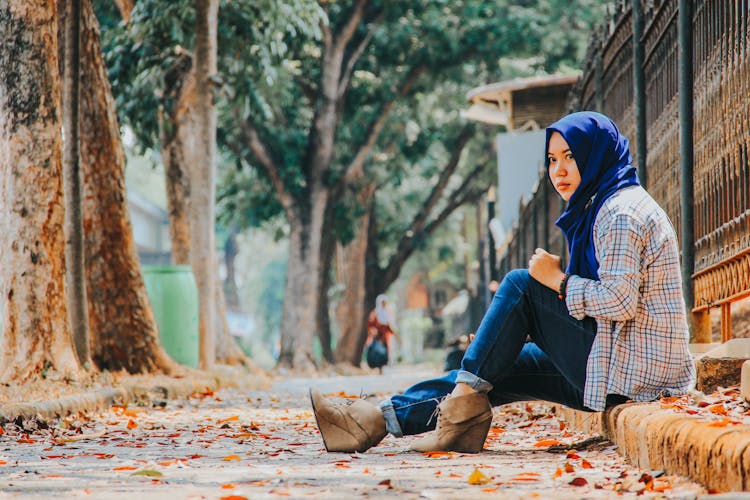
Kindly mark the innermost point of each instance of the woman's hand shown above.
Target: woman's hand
(546, 269)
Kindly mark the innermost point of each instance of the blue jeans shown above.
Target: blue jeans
(500, 361)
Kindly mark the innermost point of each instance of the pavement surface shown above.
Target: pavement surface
(234, 444)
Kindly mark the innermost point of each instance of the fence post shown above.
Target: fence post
(639, 92)
(685, 62)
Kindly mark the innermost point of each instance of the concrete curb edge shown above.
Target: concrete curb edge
(656, 438)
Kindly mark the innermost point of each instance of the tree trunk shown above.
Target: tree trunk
(74, 251)
(36, 336)
(177, 142)
(323, 322)
(354, 306)
(298, 318)
(203, 179)
(123, 329)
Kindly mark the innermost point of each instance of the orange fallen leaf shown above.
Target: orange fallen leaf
(228, 486)
(3, 462)
(233, 497)
(558, 472)
(125, 467)
(718, 409)
(569, 468)
(489, 490)
(572, 455)
(721, 423)
(132, 424)
(229, 458)
(586, 464)
(477, 477)
(228, 419)
(547, 442)
(438, 454)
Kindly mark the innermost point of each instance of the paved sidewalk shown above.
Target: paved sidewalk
(264, 444)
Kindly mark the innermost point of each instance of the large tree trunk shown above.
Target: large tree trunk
(203, 179)
(35, 332)
(354, 306)
(123, 329)
(301, 289)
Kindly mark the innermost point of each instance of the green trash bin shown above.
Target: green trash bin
(174, 300)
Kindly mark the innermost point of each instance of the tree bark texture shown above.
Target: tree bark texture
(124, 334)
(203, 178)
(301, 289)
(323, 321)
(36, 335)
(353, 309)
(177, 143)
(74, 256)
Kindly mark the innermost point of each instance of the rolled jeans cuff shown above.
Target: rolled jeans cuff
(391, 422)
(476, 383)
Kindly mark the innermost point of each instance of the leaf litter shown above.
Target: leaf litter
(267, 444)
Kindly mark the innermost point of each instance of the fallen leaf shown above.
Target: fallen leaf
(229, 458)
(228, 419)
(569, 468)
(477, 477)
(586, 464)
(544, 443)
(228, 486)
(233, 497)
(438, 454)
(132, 424)
(558, 472)
(489, 490)
(718, 409)
(579, 481)
(721, 423)
(79, 437)
(148, 473)
(572, 455)
(125, 467)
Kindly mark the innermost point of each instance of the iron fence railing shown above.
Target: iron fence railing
(721, 137)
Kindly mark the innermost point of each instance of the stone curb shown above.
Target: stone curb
(100, 399)
(655, 438)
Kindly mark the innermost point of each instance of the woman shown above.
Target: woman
(379, 333)
(610, 328)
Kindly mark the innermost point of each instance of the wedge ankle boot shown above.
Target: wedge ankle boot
(355, 426)
(462, 425)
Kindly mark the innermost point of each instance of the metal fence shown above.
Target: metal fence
(721, 137)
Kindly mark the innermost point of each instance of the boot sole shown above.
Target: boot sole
(317, 423)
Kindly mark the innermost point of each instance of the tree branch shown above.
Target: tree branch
(126, 8)
(356, 54)
(418, 228)
(261, 153)
(347, 31)
(356, 167)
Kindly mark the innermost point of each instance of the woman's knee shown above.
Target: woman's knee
(517, 278)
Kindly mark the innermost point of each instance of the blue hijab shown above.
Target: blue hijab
(603, 158)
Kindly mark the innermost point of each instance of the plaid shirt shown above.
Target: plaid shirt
(641, 345)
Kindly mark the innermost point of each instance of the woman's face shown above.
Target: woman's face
(563, 170)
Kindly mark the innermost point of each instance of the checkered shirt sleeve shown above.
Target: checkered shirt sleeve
(641, 346)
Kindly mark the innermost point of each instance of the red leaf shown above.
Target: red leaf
(579, 481)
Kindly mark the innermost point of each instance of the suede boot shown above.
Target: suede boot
(462, 425)
(355, 426)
